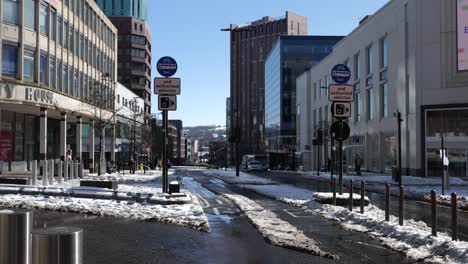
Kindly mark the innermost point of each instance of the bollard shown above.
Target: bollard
(434, 212)
(15, 228)
(52, 172)
(363, 193)
(387, 202)
(80, 170)
(34, 172)
(400, 207)
(65, 170)
(351, 191)
(334, 191)
(44, 172)
(59, 171)
(454, 217)
(75, 174)
(57, 245)
(72, 171)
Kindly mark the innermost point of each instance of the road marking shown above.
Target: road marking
(215, 210)
(289, 213)
(219, 201)
(207, 204)
(365, 244)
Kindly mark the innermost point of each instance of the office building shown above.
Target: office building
(134, 49)
(249, 46)
(290, 57)
(404, 58)
(57, 56)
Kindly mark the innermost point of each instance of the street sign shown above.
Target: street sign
(167, 86)
(340, 74)
(340, 130)
(167, 102)
(341, 109)
(341, 93)
(166, 66)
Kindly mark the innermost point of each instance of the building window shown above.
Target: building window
(65, 78)
(65, 33)
(30, 14)
(327, 82)
(320, 88)
(369, 65)
(11, 11)
(71, 41)
(357, 67)
(383, 58)
(43, 19)
(357, 106)
(384, 100)
(52, 73)
(77, 38)
(9, 60)
(42, 68)
(315, 91)
(59, 75)
(370, 104)
(29, 65)
(53, 24)
(60, 30)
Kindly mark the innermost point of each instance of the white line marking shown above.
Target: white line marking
(219, 201)
(216, 211)
(289, 213)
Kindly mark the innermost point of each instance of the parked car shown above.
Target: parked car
(256, 166)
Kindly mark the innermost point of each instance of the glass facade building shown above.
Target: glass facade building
(124, 8)
(290, 57)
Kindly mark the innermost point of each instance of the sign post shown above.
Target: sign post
(341, 94)
(167, 88)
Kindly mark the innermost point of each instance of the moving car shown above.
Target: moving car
(256, 166)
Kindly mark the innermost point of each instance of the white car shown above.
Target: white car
(255, 166)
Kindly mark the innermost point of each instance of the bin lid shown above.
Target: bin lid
(174, 183)
(61, 230)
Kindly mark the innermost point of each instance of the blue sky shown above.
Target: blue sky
(189, 31)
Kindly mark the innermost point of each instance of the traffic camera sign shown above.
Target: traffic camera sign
(167, 102)
(341, 93)
(167, 86)
(341, 109)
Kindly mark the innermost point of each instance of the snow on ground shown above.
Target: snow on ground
(275, 230)
(243, 178)
(325, 196)
(124, 177)
(282, 192)
(413, 239)
(190, 215)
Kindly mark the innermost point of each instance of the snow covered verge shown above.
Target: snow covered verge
(282, 192)
(243, 178)
(413, 239)
(127, 177)
(462, 201)
(275, 230)
(341, 199)
(190, 215)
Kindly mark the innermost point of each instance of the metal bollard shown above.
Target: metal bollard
(363, 193)
(387, 202)
(72, 171)
(34, 172)
(57, 245)
(434, 212)
(52, 172)
(76, 170)
(15, 228)
(454, 217)
(65, 170)
(59, 171)
(351, 191)
(80, 170)
(400, 207)
(44, 172)
(334, 191)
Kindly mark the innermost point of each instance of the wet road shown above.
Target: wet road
(351, 247)
(417, 210)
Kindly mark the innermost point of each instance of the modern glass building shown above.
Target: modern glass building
(124, 8)
(290, 57)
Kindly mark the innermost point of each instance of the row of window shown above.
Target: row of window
(251, 32)
(135, 39)
(50, 23)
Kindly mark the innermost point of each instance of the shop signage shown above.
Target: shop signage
(39, 95)
(6, 90)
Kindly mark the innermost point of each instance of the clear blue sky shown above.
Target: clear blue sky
(189, 31)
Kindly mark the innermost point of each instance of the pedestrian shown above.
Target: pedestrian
(69, 155)
(358, 162)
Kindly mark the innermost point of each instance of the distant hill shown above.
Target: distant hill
(205, 134)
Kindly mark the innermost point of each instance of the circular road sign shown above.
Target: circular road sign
(166, 66)
(340, 130)
(340, 74)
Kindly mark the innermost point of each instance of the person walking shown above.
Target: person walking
(358, 162)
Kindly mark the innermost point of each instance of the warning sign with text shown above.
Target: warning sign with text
(341, 93)
(167, 86)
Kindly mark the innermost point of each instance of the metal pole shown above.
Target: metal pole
(59, 171)
(334, 191)
(434, 212)
(34, 172)
(164, 154)
(400, 207)
(340, 164)
(15, 227)
(318, 160)
(57, 245)
(351, 190)
(363, 193)
(399, 172)
(387, 202)
(332, 158)
(442, 161)
(454, 217)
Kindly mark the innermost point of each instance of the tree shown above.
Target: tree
(136, 126)
(101, 106)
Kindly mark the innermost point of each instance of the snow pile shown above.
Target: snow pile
(275, 230)
(190, 215)
(414, 238)
(125, 177)
(282, 192)
(462, 201)
(243, 178)
(327, 198)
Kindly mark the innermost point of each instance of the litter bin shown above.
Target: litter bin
(174, 187)
(15, 228)
(57, 245)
